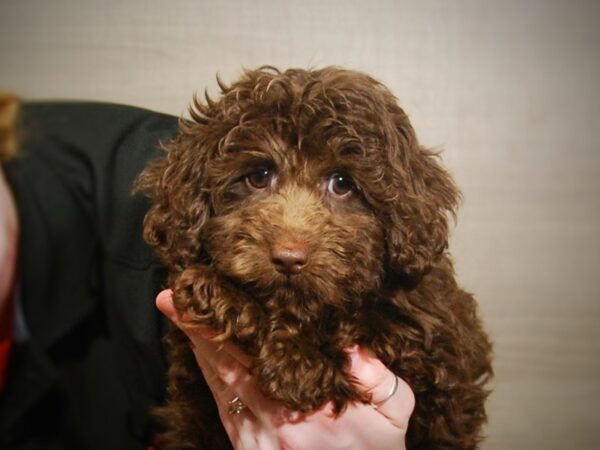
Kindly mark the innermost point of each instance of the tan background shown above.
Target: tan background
(510, 90)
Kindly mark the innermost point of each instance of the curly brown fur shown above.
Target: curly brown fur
(323, 164)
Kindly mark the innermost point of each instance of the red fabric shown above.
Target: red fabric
(7, 318)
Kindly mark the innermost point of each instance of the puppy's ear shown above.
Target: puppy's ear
(425, 197)
(180, 204)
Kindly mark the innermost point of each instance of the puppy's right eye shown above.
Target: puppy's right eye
(340, 185)
(259, 179)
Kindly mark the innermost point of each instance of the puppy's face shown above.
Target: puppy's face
(292, 224)
(304, 187)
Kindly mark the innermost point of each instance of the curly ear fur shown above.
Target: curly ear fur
(418, 233)
(415, 194)
(180, 205)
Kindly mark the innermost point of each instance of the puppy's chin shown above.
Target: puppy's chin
(288, 288)
(307, 294)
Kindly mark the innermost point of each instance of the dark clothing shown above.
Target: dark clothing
(93, 365)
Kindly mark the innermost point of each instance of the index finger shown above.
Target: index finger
(198, 334)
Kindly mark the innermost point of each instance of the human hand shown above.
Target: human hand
(262, 424)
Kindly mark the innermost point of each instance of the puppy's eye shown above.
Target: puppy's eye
(340, 185)
(259, 179)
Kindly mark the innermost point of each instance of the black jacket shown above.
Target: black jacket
(93, 365)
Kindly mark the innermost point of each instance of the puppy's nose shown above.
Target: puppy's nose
(289, 259)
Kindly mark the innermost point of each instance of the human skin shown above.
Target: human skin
(9, 234)
(9, 223)
(265, 425)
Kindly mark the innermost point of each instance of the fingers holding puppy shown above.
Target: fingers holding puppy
(224, 365)
(261, 423)
(391, 396)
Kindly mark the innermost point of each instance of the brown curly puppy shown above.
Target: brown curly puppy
(298, 215)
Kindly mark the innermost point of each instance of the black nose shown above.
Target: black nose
(289, 259)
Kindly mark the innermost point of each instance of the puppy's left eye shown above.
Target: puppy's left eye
(259, 179)
(340, 185)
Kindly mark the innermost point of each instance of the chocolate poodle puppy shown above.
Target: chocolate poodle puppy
(298, 216)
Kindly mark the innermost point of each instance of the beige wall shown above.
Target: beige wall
(510, 90)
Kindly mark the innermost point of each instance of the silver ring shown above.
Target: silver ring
(236, 406)
(392, 391)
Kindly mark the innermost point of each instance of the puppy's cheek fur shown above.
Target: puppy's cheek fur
(237, 249)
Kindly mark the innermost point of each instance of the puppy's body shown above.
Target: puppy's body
(299, 216)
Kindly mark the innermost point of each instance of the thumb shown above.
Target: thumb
(164, 302)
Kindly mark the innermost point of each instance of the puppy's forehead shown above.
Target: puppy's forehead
(288, 146)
